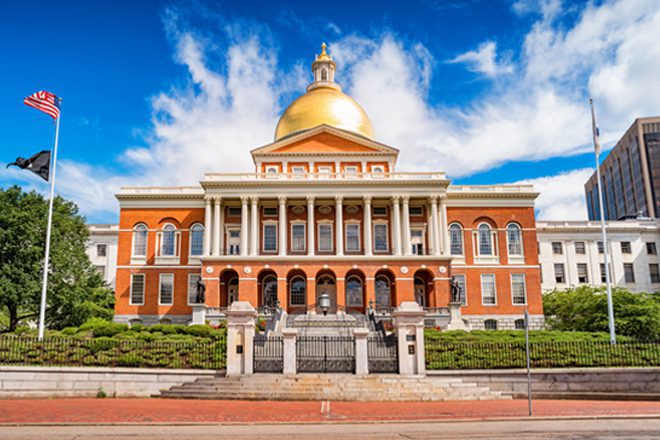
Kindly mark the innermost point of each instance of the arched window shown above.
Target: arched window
(485, 238)
(514, 239)
(324, 75)
(354, 292)
(269, 291)
(383, 291)
(490, 324)
(298, 291)
(167, 246)
(456, 239)
(140, 240)
(196, 239)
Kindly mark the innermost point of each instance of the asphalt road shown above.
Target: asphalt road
(584, 429)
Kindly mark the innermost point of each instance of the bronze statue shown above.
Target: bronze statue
(455, 290)
(200, 298)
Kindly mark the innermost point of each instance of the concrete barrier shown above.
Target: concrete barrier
(24, 381)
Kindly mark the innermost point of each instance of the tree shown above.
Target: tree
(76, 291)
(584, 308)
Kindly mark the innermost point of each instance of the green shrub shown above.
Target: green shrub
(200, 331)
(101, 328)
(69, 331)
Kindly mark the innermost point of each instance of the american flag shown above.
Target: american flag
(46, 102)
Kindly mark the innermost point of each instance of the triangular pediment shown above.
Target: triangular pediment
(324, 140)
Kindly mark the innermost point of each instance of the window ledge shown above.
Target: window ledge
(167, 260)
(138, 260)
(486, 260)
(517, 259)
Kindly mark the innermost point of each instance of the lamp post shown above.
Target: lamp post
(324, 303)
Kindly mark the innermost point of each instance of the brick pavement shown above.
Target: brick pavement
(90, 411)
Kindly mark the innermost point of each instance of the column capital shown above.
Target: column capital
(434, 200)
(396, 199)
(208, 199)
(367, 200)
(281, 200)
(254, 200)
(217, 199)
(405, 199)
(245, 199)
(339, 200)
(310, 200)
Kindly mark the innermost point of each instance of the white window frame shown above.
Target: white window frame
(228, 229)
(462, 236)
(304, 225)
(524, 283)
(190, 241)
(168, 259)
(298, 171)
(271, 171)
(352, 223)
(515, 258)
(387, 236)
(373, 211)
(160, 289)
(377, 169)
(419, 227)
(103, 246)
(139, 257)
(190, 275)
(290, 295)
(331, 225)
(478, 258)
(577, 272)
(144, 285)
(324, 171)
(273, 223)
(494, 288)
(263, 208)
(351, 171)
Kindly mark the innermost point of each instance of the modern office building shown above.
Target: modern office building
(102, 250)
(630, 174)
(571, 254)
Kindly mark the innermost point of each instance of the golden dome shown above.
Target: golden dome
(324, 105)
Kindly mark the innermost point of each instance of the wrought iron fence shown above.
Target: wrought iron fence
(268, 354)
(465, 356)
(108, 352)
(325, 354)
(382, 354)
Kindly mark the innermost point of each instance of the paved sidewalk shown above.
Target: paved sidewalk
(164, 411)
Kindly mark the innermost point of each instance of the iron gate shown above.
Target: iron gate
(325, 354)
(268, 354)
(382, 353)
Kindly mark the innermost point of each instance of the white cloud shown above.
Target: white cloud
(562, 195)
(483, 60)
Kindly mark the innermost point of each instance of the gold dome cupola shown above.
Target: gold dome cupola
(324, 104)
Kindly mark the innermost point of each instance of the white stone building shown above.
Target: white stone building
(102, 250)
(570, 254)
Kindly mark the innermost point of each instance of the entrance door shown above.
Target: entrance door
(326, 284)
(233, 241)
(417, 241)
(420, 292)
(232, 291)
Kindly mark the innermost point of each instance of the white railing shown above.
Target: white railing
(231, 177)
(490, 188)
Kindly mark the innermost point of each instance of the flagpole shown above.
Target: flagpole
(610, 307)
(44, 284)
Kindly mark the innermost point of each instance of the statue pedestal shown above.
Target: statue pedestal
(455, 318)
(199, 314)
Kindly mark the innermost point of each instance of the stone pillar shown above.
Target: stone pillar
(217, 202)
(244, 226)
(409, 324)
(254, 226)
(311, 227)
(198, 314)
(208, 227)
(368, 247)
(241, 320)
(406, 226)
(361, 351)
(283, 224)
(339, 225)
(289, 350)
(444, 227)
(434, 226)
(396, 226)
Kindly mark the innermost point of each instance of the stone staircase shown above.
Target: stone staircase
(337, 387)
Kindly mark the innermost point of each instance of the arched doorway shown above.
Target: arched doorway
(296, 282)
(423, 287)
(325, 283)
(228, 287)
(385, 289)
(267, 283)
(355, 292)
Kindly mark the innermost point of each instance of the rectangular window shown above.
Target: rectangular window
(582, 273)
(298, 171)
(101, 250)
(270, 212)
(351, 171)
(380, 237)
(601, 249)
(579, 247)
(325, 237)
(137, 289)
(193, 278)
(298, 242)
(324, 171)
(603, 277)
(628, 273)
(101, 270)
(270, 237)
(557, 248)
(352, 237)
(379, 211)
(559, 273)
(654, 270)
(518, 289)
(234, 212)
(651, 249)
(460, 280)
(626, 248)
(166, 289)
(416, 211)
(488, 293)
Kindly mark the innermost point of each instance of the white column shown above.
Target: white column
(339, 225)
(444, 227)
(283, 226)
(217, 201)
(406, 226)
(368, 247)
(434, 226)
(311, 228)
(207, 227)
(244, 226)
(396, 226)
(254, 226)
(221, 231)
(430, 231)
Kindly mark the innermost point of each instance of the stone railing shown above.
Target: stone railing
(242, 177)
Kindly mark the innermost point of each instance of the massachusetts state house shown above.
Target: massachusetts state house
(327, 211)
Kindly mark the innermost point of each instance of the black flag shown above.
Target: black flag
(39, 164)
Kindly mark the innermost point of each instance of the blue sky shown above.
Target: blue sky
(158, 92)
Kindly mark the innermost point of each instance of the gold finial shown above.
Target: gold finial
(323, 46)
